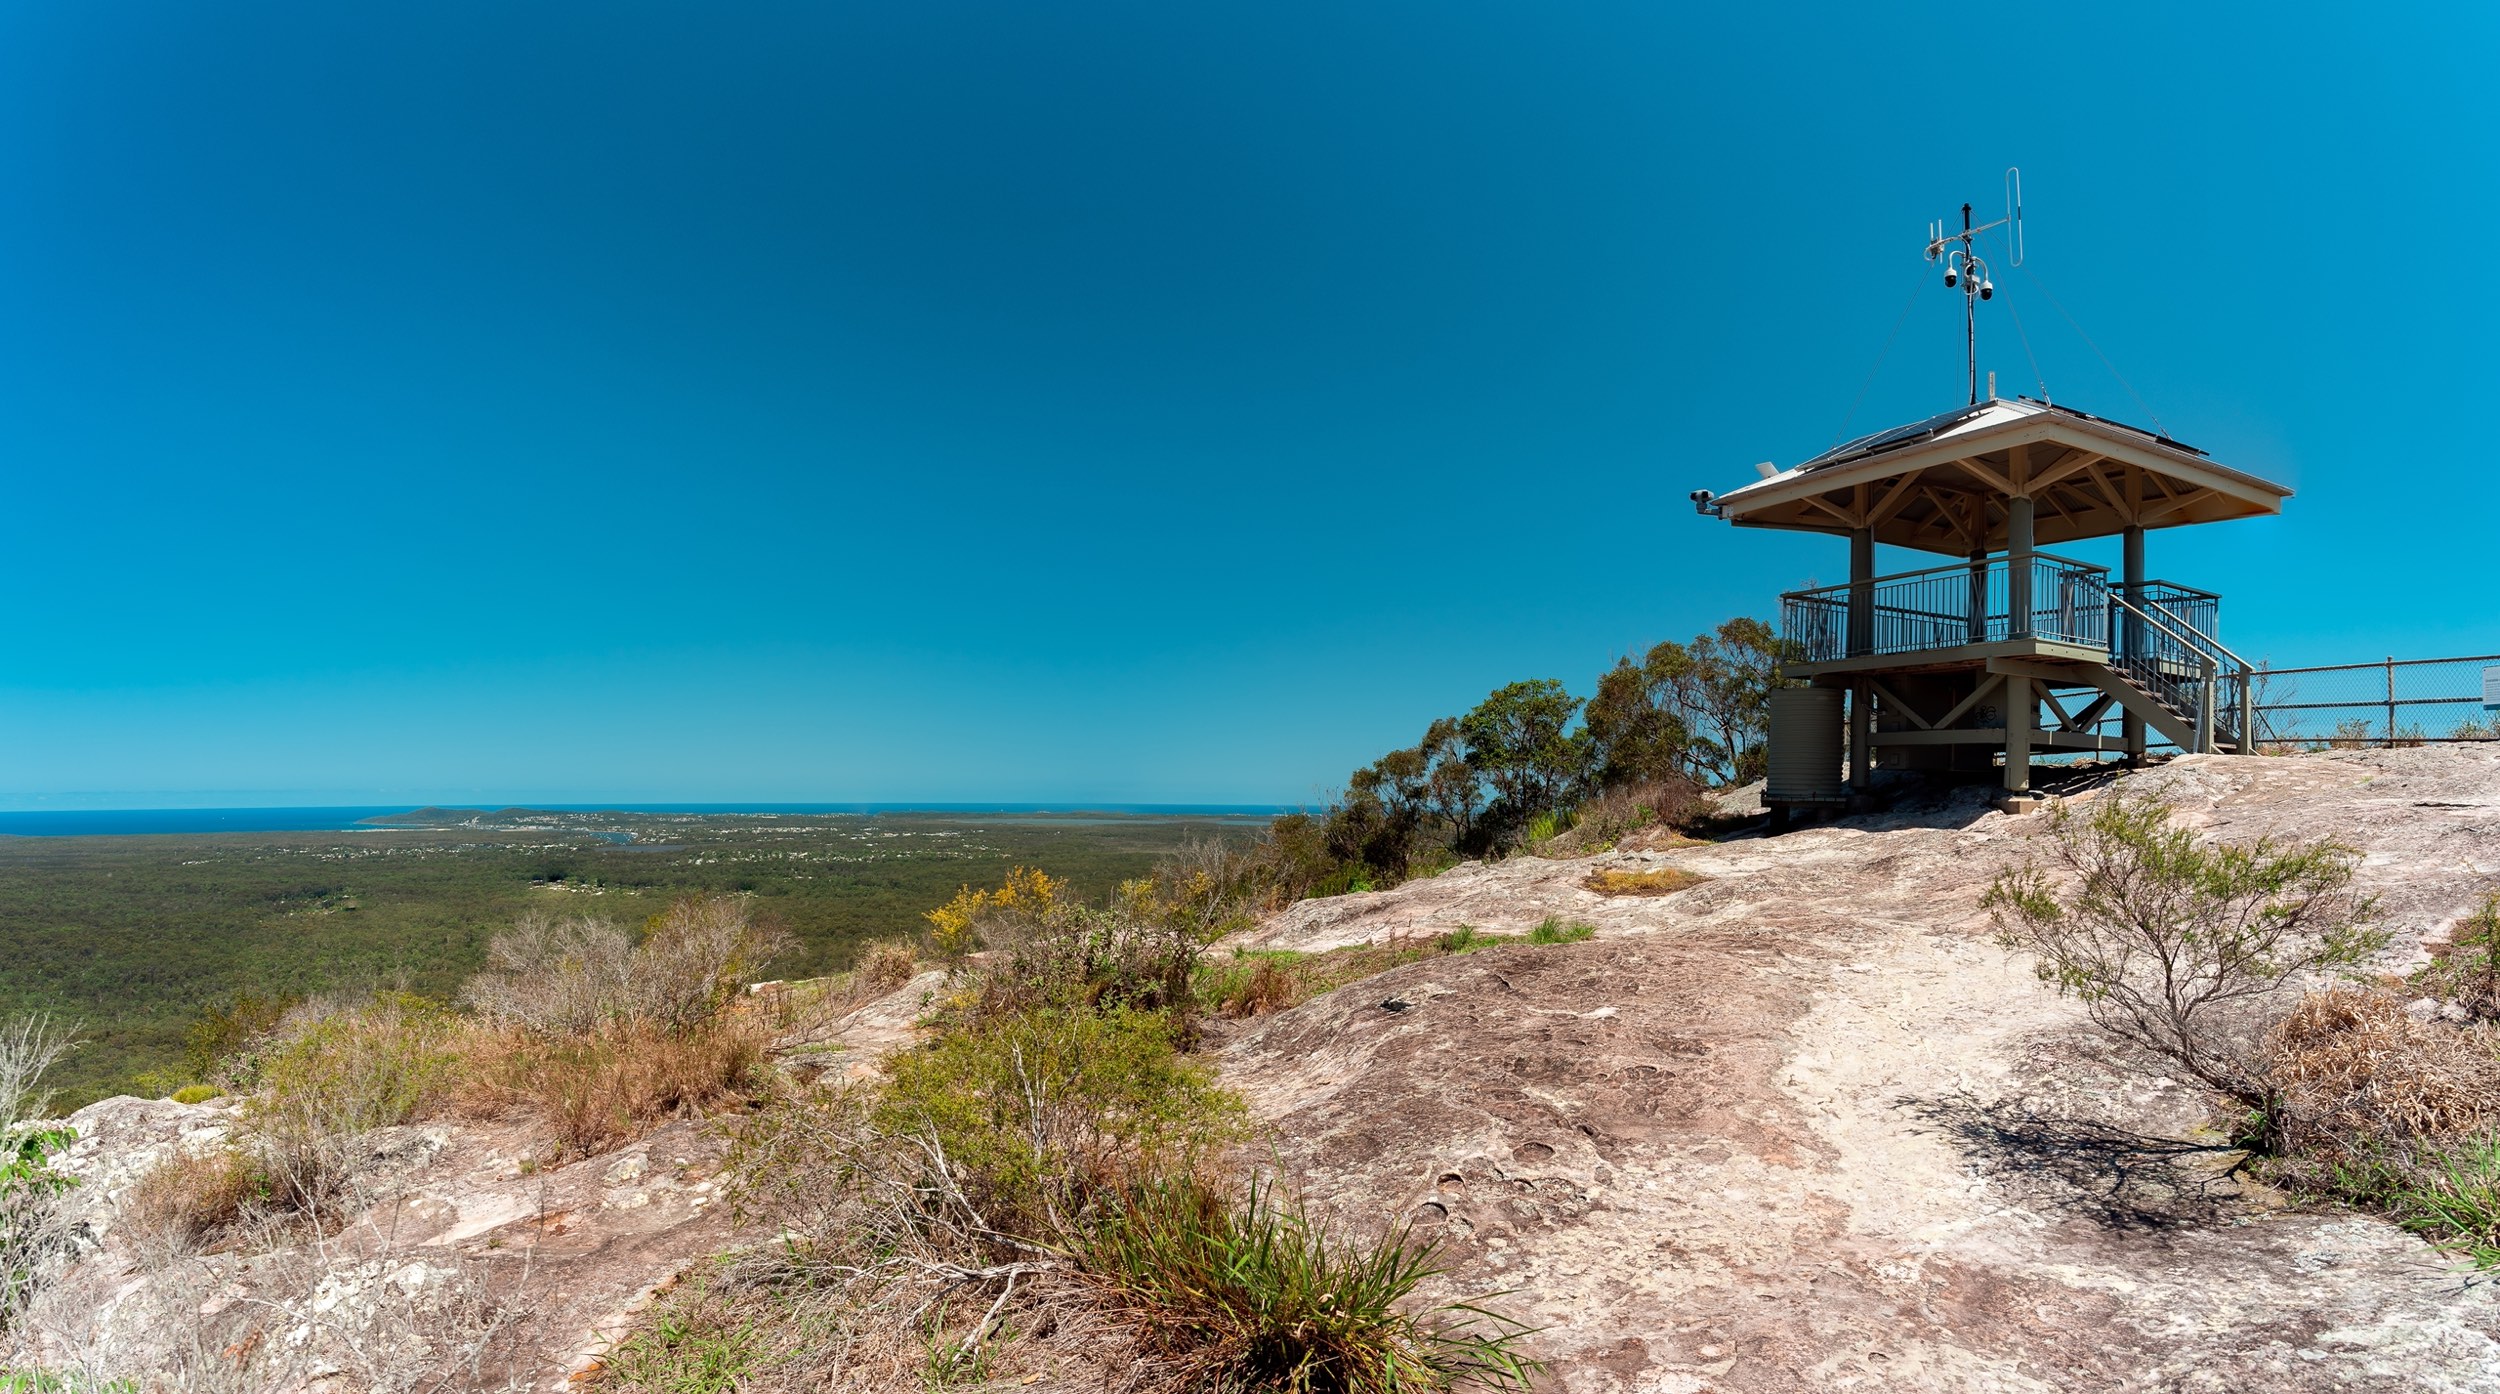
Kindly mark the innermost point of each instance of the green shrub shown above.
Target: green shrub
(1556, 930)
(197, 1093)
(223, 1038)
(1252, 1294)
(1458, 940)
(1141, 949)
(1040, 1112)
(367, 1067)
(331, 1076)
(28, 1188)
(1545, 827)
(2175, 943)
(1346, 880)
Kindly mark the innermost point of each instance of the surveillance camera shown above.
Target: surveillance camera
(1987, 290)
(1701, 500)
(1952, 278)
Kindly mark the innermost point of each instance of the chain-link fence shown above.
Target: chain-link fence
(2391, 702)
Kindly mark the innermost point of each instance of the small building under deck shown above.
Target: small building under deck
(2007, 650)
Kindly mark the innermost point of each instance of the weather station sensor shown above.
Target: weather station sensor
(1965, 271)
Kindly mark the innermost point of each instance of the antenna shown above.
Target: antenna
(1963, 268)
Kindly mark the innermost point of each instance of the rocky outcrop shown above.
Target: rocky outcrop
(1805, 1126)
(449, 1249)
(452, 1258)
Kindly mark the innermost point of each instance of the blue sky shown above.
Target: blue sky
(1138, 402)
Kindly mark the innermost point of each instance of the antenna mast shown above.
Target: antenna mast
(1963, 268)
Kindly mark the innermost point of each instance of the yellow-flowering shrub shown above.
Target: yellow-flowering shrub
(1029, 893)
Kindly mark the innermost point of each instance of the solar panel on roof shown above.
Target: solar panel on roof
(1881, 441)
(1937, 425)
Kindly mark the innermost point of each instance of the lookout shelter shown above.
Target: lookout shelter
(2005, 650)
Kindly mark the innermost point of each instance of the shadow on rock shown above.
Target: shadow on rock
(2115, 1178)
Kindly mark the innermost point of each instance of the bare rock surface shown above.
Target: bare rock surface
(1805, 1126)
(453, 1254)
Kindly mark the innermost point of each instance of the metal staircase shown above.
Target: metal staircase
(2198, 691)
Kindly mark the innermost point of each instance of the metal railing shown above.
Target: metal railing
(1949, 606)
(2181, 665)
(2390, 702)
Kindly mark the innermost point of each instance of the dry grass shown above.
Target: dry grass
(1271, 987)
(884, 966)
(188, 1202)
(601, 1089)
(570, 976)
(1258, 983)
(2362, 1078)
(2398, 1115)
(1665, 880)
(1649, 809)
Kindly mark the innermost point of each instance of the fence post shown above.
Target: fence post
(2205, 710)
(2248, 710)
(2391, 699)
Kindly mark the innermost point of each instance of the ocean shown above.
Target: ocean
(106, 822)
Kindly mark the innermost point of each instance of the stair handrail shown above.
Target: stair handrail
(2120, 600)
(2201, 639)
(2206, 648)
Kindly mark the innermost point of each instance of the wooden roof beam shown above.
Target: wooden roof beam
(2074, 463)
(2154, 517)
(2101, 482)
(1895, 500)
(1988, 477)
(1846, 517)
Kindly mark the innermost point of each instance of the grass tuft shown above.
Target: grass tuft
(1557, 930)
(2451, 1198)
(688, 1351)
(1253, 1294)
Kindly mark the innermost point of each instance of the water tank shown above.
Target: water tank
(1805, 747)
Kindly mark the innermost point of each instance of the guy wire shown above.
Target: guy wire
(1897, 321)
(2037, 285)
(2027, 353)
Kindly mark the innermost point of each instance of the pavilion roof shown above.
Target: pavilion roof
(1941, 485)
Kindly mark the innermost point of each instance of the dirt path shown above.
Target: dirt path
(1806, 1127)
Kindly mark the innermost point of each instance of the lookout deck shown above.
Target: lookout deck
(2056, 624)
(2008, 649)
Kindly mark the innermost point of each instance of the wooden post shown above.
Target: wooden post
(2018, 566)
(1861, 737)
(1861, 592)
(2018, 712)
(2131, 638)
(1979, 595)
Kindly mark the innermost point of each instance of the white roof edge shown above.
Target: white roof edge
(1991, 421)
